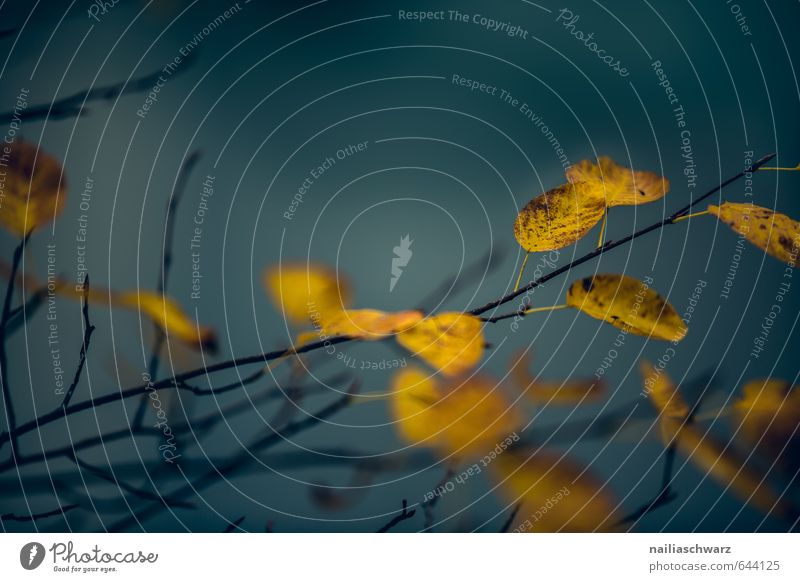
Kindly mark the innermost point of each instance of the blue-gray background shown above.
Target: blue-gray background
(266, 98)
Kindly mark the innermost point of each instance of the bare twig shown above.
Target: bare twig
(510, 520)
(164, 269)
(135, 491)
(75, 105)
(404, 515)
(246, 457)
(8, 401)
(492, 259)
(38, 516)
(88, 329)
(234, 525)
(427, 506)
(176, 382)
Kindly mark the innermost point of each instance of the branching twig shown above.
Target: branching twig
(176, 382)
(88, 329)
(135, 491)
(427, 506)
(404, 515)
(246, 457)
(8, 402)
(164, 269)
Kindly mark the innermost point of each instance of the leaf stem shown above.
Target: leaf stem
(600, 240)
(522, 270)
(779, 169)
(688, 216)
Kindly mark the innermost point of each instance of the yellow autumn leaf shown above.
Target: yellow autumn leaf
(730, 470)
(414, 393)
(621, 186)
(167, 314)
(555, 494)
(33, 191)
(572, 391)
(673, 410)
(775, 233)
(368, 324)
(463, 417)
(767, 416)
(719, 461)
(559, 217)
(302, 289)
(628, 304)
(450, 342)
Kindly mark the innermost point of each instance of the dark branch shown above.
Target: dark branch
(38, 516)
(88, 329)
(164, 269)
(427, 506)
(75, 105)
(176, 382)
(238, 462)
(8, 402)
(404, 515)
(233, 526)
(135, 491)
(507, 523)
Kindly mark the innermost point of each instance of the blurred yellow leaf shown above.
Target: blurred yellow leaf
(717, 459)
(461, 417)
(301, 289)
(767, 416)
(572, 391)
(666, 399)
(628, 304)
(559, 217)
(775, 233)
(450, 342)
(555, 495)
(368, 324)
(31, 171)
(414, 393)
(167, 314)
(724, 464)
(621, 186)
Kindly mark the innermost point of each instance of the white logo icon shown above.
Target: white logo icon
(400, 260)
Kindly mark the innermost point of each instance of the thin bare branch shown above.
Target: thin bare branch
(404, 515)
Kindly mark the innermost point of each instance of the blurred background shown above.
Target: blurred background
(265, 93)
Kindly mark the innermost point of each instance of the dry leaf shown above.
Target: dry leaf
(461, 417)
(368, 324)
(556, 495)
(450, 342)
(621, 186)
(723, 464)
(714, 458)
(775, 233)
(666, 399)
(302, 289)
(767, 416)
(559, 217)
(577, 391)
(31, 170)
(628, 304)
(167, 314)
